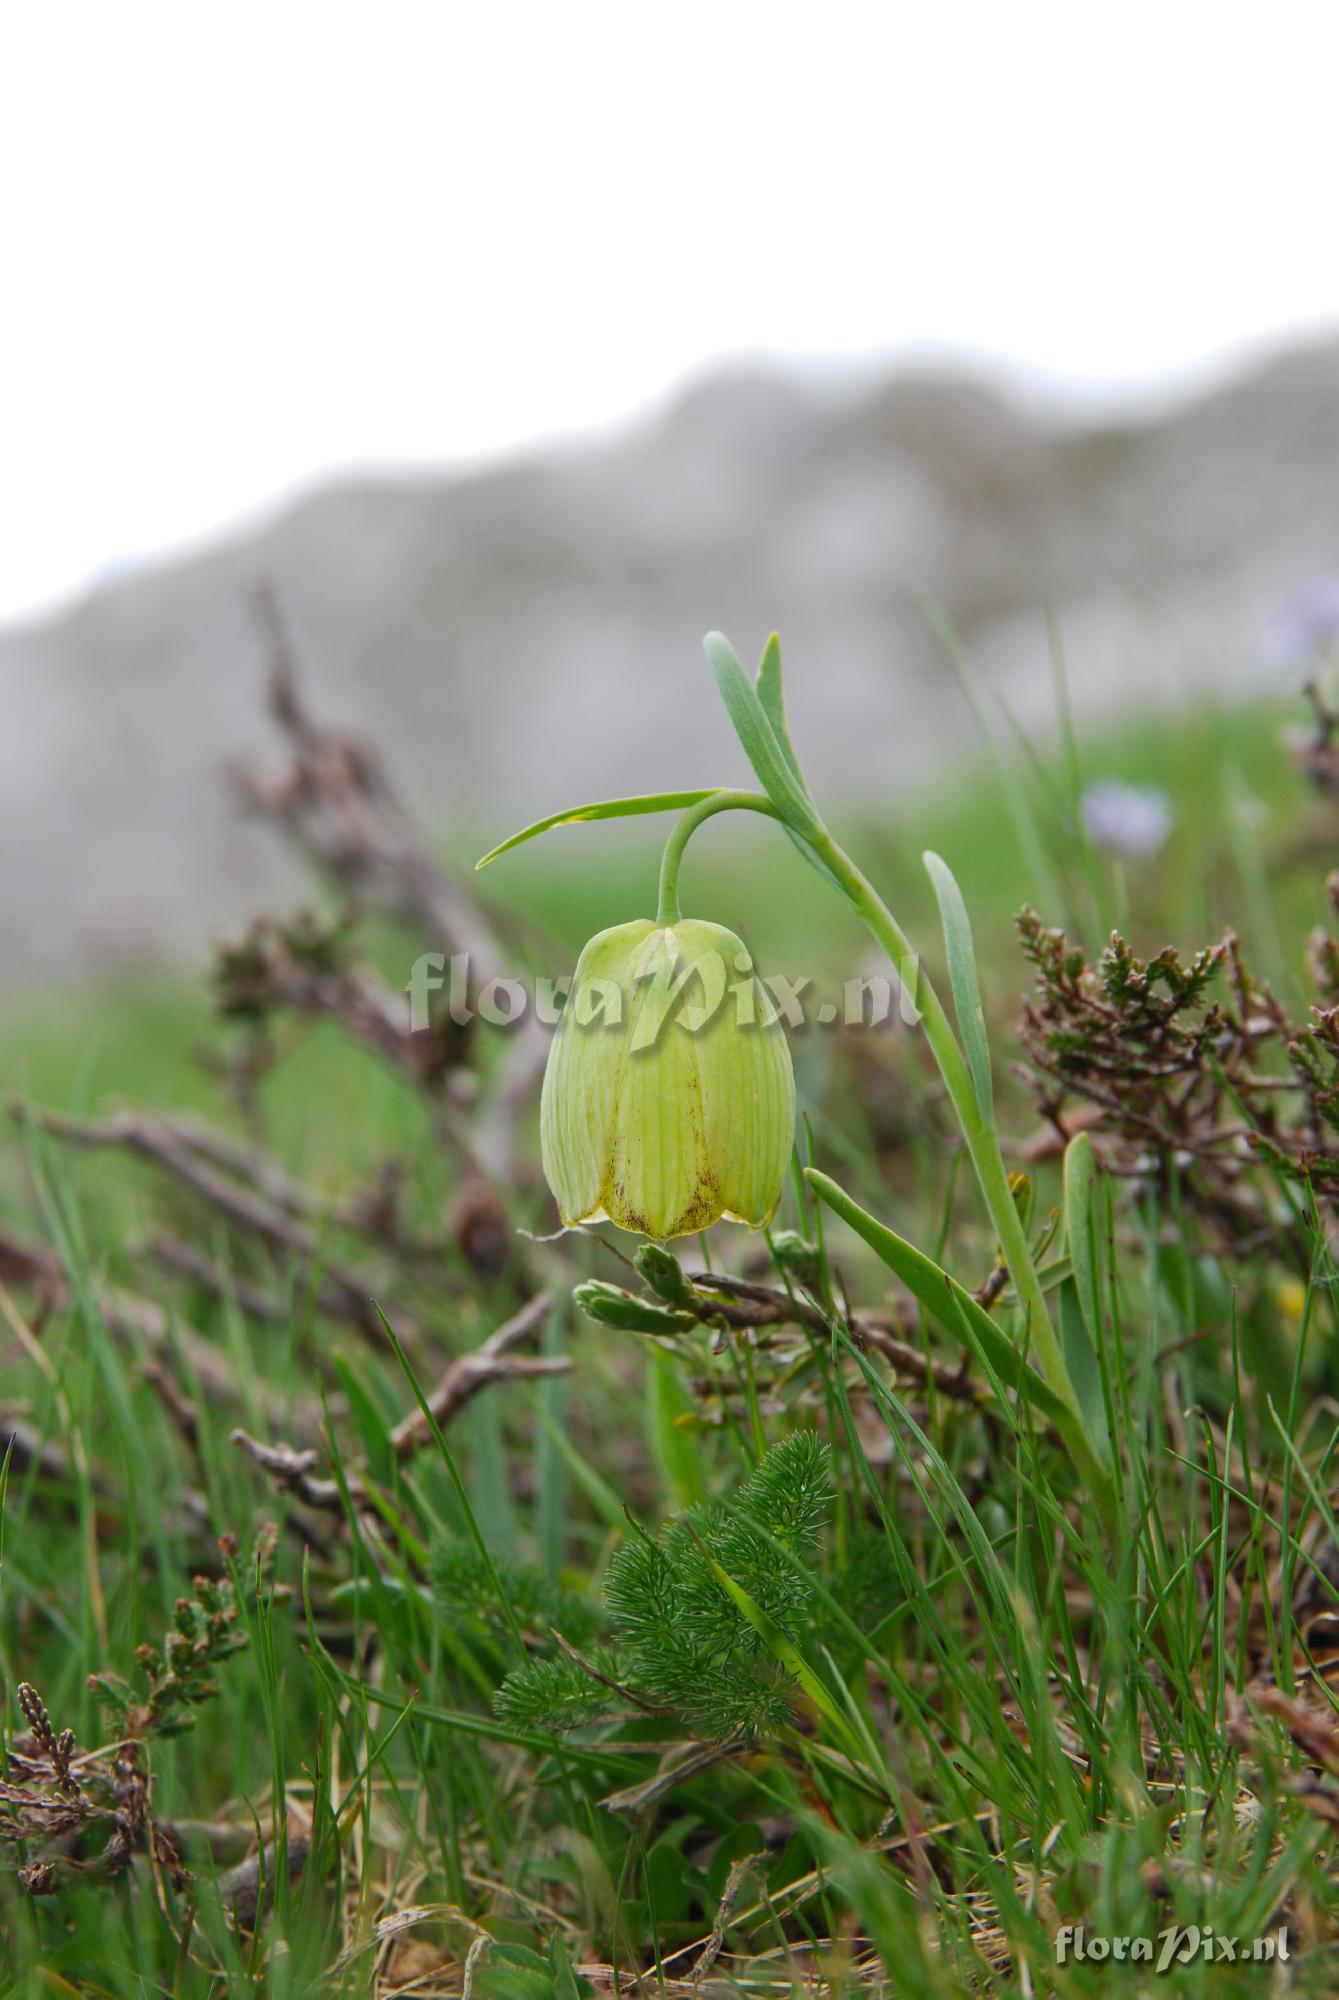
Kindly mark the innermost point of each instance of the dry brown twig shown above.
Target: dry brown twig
(181, 1148)
(371, 1213)
(494, 1361)
(1316, 751)
(745, 1303)
(1190, 1070)
(181, 1259)
(301, 969)
(30, 1451)
(135, 1323)
(333, 800)
(295, 1471)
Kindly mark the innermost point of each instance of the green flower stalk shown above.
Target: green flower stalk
(668, 1098)
(698, 1135)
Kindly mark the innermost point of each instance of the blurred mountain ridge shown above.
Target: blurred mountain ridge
(526, 636)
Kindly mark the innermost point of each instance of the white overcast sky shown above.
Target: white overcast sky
(245, 246)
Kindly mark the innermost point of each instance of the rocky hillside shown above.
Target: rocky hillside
(529, 635)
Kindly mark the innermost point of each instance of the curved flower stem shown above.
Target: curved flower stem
(977, 1125)
(978, 1128)
(979, 1132)
(684, 829)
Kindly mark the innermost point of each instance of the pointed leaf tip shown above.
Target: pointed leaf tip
(769, 753)
(772, 700)
(649, 802)
(962, 977)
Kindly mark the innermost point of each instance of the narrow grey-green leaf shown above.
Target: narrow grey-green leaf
(773, 703)
(755, 733)
(1079, 1171)
(962, 978)
(945, 1299)
(769, 691)
(1081, 1360)
(647, 802)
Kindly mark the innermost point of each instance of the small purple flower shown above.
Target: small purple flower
(1126, 819)
(1306, 631)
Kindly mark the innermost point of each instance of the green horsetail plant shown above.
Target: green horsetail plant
(638, 1146)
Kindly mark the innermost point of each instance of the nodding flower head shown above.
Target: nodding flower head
(668, 1098)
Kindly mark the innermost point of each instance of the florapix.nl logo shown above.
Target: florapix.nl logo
(1178, 1945)
(692, 996)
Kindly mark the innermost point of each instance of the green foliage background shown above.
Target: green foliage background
(962, 1713)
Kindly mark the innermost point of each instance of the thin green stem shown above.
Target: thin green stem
(979, 1132)
(977, 1129)
(684, 829)
(978, 1126)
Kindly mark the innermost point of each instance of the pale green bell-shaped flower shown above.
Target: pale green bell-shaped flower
(668, 1097)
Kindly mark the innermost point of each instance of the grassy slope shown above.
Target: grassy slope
(429, 1809)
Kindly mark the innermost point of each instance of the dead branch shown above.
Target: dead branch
(135, 1322)
(296, 968)
(335, 801)
(371, 1211)
(743, 1302)
(183, 1260)
(253, 1164)
(468, 1373)
(173, 1146)
(29, 1451)
(293, 1471)
(175, 1401)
